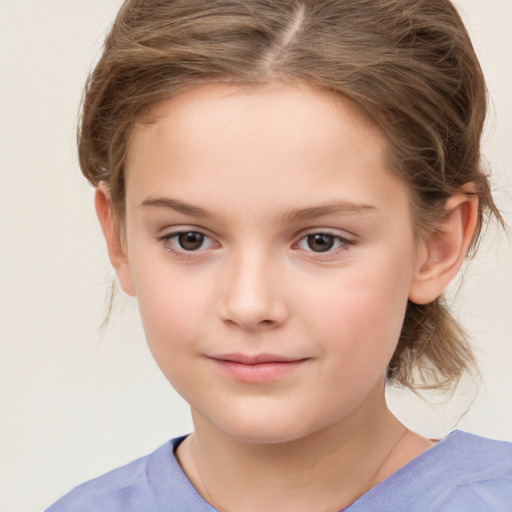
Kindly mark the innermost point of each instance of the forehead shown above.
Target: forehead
(272, 139)
(291, 111)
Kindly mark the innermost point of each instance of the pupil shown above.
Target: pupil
(320, 242)
(191, 240)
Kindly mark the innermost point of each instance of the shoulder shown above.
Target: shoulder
(130, 488)
(468, 453)
(473, 472)
(466, 472)
(460, 473)
(127, 483)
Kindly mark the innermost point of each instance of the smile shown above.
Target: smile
(257, 369)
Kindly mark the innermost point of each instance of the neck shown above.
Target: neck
(325, 471)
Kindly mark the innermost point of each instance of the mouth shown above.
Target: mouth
(259, 368)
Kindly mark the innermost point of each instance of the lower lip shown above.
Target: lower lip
(258, 373)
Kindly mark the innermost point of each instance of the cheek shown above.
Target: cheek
(359, 312)
(173, 307)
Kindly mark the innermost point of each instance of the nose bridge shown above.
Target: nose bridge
(252, 293)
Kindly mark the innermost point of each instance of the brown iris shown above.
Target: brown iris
(191, 240)
(320, 242)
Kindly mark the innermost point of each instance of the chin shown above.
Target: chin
(265, 430)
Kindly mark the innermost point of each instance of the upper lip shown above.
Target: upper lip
(256, 358)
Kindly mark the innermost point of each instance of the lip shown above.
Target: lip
(258, 368)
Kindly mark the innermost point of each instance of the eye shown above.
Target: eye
(322, 242)
(190, 241)
(186, 241)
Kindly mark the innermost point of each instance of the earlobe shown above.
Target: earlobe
(116, 252)
(442, 252)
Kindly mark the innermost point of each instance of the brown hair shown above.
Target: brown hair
(409, 65)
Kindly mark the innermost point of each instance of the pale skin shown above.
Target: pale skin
(301, 245)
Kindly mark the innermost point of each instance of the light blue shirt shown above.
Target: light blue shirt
(461, 473)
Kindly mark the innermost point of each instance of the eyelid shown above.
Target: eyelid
(169, 231)
(341, 234)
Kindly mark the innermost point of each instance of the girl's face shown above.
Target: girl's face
(272, 255)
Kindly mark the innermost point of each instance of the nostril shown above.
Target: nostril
(251, 325)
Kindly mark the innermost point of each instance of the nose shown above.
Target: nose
(254, 296)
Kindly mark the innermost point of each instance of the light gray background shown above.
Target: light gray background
(77, 401)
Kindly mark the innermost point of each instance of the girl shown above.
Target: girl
(287, 188)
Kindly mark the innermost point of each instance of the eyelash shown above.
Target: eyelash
(170, 245)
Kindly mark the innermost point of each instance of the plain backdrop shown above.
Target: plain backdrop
(76, 400)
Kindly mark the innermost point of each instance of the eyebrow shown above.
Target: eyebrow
(338, 207)
(313, 212)
(178, 206)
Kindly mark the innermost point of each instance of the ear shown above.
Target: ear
(441, 253)
(117, 254)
